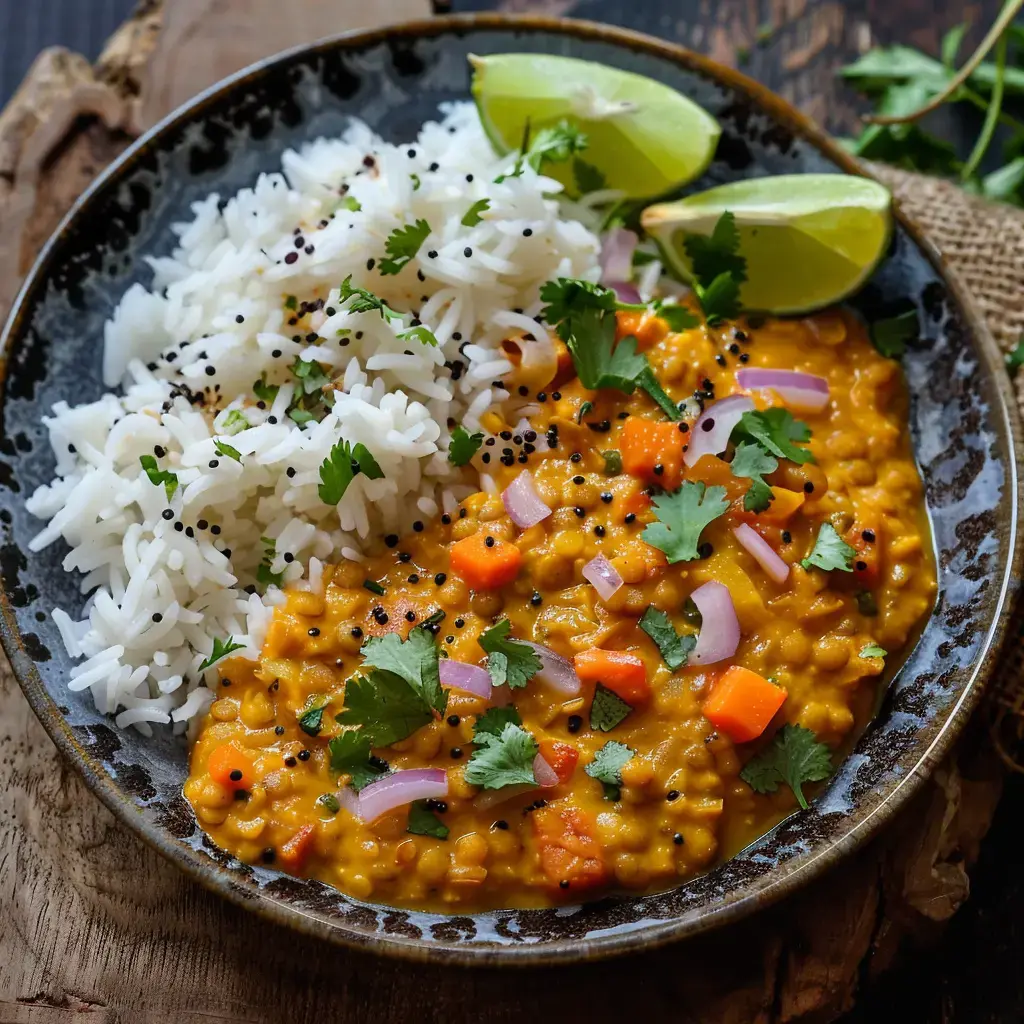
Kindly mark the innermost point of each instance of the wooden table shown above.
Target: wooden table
(92, 922)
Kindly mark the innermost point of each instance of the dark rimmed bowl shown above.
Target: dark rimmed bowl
(963, 423)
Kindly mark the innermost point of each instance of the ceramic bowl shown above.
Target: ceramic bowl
(962, 419)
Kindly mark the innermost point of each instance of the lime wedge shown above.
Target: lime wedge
(643, 137)
(809, 239)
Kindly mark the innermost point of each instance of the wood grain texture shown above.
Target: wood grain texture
(95, 924)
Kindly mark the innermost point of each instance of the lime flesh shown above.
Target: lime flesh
(809, 240)
(645, 138)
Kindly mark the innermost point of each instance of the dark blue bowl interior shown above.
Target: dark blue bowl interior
(962, 431)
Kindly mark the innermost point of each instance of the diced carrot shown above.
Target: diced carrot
(867, 561)
(485, 566)
(231, 766)
(646, 446)
(561, 756)
(714, 472)
(638, 502)
(785, 504)
(566, 367)
(743, 703)
(624, 674)
(293, 854)
(570, 853)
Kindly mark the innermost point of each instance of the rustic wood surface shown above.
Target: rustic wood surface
(93, 922)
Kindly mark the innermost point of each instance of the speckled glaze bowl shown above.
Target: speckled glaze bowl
(964, 429)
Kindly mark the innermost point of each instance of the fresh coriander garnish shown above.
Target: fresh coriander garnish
(585, 407)
(310, 374)
(873, 651)
(159, 476)
(508, 660)
(351, 204)
(374, 587)
(363, 301)
(607, 709)
(681, 517)
(494, 720)
(351, 754)
(434, 618)
(226, 450)
(890, 336)
(472, 217)
(415, 179)
(234, 423)
(555, 144)
(675, 648)
(612, 462)
(221, 649)
(463, 446)
(718, 269)
(329, 802)
(424, 822)
(386, 706)
(263, 391)
(607, 767)
(502, 759)
(830, 551)
(1015, 359)
(678, 318)
(414, 660)
(402, 245)
(311, 721)
(776, 432)
(753, 462)
(866, 603)
(587, 177)
(424, 335)
(264, 576)
(291, 302)
(340, 467)
(794, 757)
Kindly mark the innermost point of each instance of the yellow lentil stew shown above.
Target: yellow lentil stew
(653, 732)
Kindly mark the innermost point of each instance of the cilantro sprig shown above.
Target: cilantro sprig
(339, 469)
(681, 518)
(508, 660)
(472, 217)
(351, 754)
(718, 269)
(362, 301)
(463, 445)
(264, 575)
(753, 462)
(221, 649)
(793, 757)
(226, 450)
(402, 245)
(159, 476)
(504, 751)
(607, 767)
(830, 552)
(424, 822)
(776, 432)
(890, 336)
(675, 648)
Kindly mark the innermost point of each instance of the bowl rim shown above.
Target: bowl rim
(760, 892)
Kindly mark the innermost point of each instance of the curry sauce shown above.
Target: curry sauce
(681, 805)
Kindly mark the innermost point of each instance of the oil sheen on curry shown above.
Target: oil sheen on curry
(630, 656)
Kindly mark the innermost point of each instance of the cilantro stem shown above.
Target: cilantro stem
(992, 115)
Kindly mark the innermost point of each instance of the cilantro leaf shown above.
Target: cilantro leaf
(364, 301)
(674, 648)
(265, 392)
(351, 754)
(402, 245)
(494, 720)
(263, 574)
(607, 709)
(221, 649)
(607, 767)
(585, 407)
(329, 802)
(649, 383)
(873, 651)
(386, 706)
(866, 603)
(587, 177)
(350, 203)
(291, 302)
(678, 318)
(226, 450)
(794, 757)
(830, 551)
(424, 335)
(612, 461)
(472, 216)
(508, 661)
(234, 423)
(753, 462)
(310, 374)
(424, 822)
(568, 298)
(463, 446)
(681, 517)
(311, 721)
(556, 144)
(721, 299)
(159, 476)
(775, 430)
(415, 660)
(1015, 359)
(717, 254)
(890, 336)
(339, 469)
(505, 759)
(374, 587)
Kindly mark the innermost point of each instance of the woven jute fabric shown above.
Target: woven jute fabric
(984, 243)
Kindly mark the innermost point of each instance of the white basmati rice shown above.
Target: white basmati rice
(168, 576)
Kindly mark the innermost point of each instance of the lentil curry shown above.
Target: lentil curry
(634, 760)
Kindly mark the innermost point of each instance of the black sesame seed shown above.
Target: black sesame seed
(720, 359)
(556, 395)
(607, 497)
(741, 335)
(678, 839)
(213, 463)
(501, 824)
(432, 254)
(868, 535)
(434, 166)
(440, 578)
(579, 480)
(391, 539)
(417, 526)
(157, 617)
(536, 600)
(158, 450)
(303, 755)
(574, 724)
(744, 357)
(179, 527)
(860, 566)
(72, 449)
(575, 457)
(370, 263)
(705, 550)
(299, 243)
(215, 530)
(462, 513)
(599, 531)
(734, 349)
(290, 762)
(684, 428)
(168, 514)
(467, 252)
(291, 257)
(630, 517)
(414, 577)
(489, 542)
(189, 532)
(279, 730)
(313, 631)
(659, 469)
(356, 632)
(787, 537)
(211, 371)
(456, 752)
(808, 487)
(672, 794)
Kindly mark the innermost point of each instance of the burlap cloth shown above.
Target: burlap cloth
(984, 243)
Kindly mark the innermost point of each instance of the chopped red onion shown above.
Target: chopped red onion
(556, 671)
(492, 797)
(471, 678)
(765, 554)
(603, 575)
(710, 434)
(545, 775)
(798, 390)
(625, 292)
(617, 248)
(719, 634)
(400, 788)
(523, 503)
